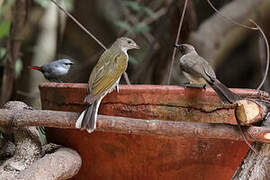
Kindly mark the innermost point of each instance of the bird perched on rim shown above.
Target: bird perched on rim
(198, 71)
(104, 78)
(54, 71)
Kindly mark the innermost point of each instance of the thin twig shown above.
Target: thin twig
(79, 24)
(267, 54)
(87, 32)
(157, 15)
(242, 133)
(134, 21)
(262, 57)
(246, 140)
(177, 40)
(126, 78)
(252, 28)
(230, 19)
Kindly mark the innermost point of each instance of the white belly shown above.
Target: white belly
(193, 79)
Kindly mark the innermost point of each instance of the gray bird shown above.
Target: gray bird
(54, 71)
(198, 71)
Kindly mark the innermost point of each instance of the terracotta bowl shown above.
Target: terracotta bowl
(108, 155)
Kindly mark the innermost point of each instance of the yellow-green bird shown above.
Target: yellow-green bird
(104, 78)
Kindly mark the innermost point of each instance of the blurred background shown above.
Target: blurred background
(35, 32)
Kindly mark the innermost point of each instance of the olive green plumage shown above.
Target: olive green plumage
(111, 65)
(104, 78)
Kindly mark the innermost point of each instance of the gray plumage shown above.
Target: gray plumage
(56, 70)
(198, 71)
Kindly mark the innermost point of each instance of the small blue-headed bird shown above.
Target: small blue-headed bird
(55, 71)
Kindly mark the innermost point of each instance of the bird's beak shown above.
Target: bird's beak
(137, 46)
(176, 45)
(71, 63)
(181, 47)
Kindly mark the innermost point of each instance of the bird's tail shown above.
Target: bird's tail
(87, 119)
(226, 95)
(35, 68)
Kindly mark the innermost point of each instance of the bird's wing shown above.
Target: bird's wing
(46, 68)
(105, 74)
(197, 66)
(208, 70)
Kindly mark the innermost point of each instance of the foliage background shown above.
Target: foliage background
(238, 57)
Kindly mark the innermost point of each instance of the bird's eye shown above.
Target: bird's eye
(129, 42)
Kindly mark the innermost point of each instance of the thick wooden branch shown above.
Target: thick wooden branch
(13, 49)
(215, 37)
(60, 119)
(27, 147)
(256, 165)
(63, 164)
(250, 111)
(26, 161)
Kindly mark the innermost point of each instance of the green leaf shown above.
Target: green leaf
(149, 12)
(5, 6)
(18, 67)
(139, 28)
(43, 3)
(3, 52)
(68, 4)
(124, 26)
(4, 28)
(133, 60)
(133, 5)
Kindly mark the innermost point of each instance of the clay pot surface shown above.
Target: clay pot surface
(108, 155)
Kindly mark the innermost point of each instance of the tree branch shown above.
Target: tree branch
(256, 165)
(60, 119)
(26, 162)
(177, 41)
(13, 49)
(216, 37)
(64, 164)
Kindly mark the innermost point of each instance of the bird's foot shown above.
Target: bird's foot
(262, 94)
(188, 85)
(117, 88)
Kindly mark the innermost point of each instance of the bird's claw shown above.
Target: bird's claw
(261, 93)
(117, 88)
(188, 85)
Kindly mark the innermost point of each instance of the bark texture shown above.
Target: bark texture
(125, 125)
(13, 50)
(22, 153)
(256, 165)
